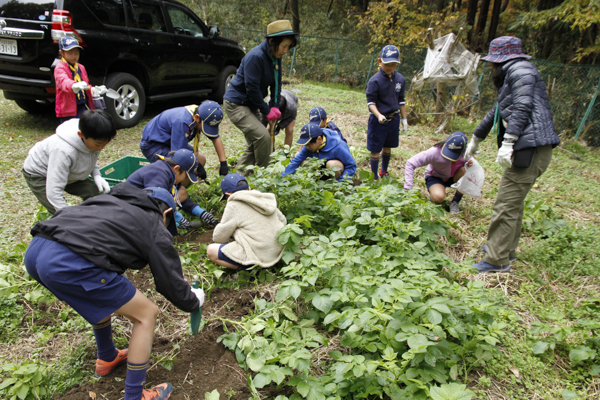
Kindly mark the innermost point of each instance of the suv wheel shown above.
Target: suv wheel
(34, 106)
(226, 77)
(128, 109)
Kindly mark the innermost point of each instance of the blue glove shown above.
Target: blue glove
(197, 211)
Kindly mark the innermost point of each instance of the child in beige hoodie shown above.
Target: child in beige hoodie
(252, 219)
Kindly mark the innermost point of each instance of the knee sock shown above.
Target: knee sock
(106, 348)
(135, 380)
(385, 160)
(457, 197)
(375, 165)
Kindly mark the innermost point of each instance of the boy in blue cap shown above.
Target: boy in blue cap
(327, 145)
(385, 99)
(318, 116)
(175, 173)
(175, 128)
(131, 229)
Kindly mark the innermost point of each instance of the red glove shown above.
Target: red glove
(274, 115)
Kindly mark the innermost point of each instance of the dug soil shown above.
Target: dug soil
(200, 364)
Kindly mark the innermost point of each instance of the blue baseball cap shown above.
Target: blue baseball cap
(232, 183)
(390, 54)
(188, 162)
(454, 146)
(317, 114)
(165, 196)
(67, 43)
(308, 132)
(211, 114)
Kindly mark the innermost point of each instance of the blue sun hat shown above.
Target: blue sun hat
(454, 146)
(505, 48)
(165, 196)
(390, 54)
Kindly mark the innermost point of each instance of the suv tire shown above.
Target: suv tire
(226, 77)
(129, 108)
(35, 107)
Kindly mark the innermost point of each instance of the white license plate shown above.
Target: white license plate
(8, 46)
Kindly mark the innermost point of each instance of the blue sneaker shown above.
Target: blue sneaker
(484, 249)
(482, 267)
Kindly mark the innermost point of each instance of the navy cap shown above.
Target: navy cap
(390, 54)
(308, 132)
(454, 146)
(165, 196)
(188, 162)
(232, 183)
(317, 114)
(211, 114)
(67, 43)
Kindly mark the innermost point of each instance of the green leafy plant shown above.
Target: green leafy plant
(25, 381)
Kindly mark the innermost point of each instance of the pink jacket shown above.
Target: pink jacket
(66, 104)
(438, 165)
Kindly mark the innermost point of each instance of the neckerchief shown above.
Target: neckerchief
(76, 77)
(193, 128)
(322, 144)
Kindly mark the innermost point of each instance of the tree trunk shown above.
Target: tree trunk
(471, 12)
(329, 8)
(494, 21)
(504, 6)
(295, 16)
(365, 5)
(481, 22)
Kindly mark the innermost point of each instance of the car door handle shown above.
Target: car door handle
(142, 42)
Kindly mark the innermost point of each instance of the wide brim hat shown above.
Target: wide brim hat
(166, 197)
(283, 27)
(233, 182)
(308, 132)
(454, 146)
(211, 114)
(505, 48)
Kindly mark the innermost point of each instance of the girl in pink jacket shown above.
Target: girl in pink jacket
(73, 90)
(445, 166)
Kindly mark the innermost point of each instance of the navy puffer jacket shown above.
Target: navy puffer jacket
(524, 106)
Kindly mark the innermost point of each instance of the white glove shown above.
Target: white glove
(473, 147)
(77, 86)
(101, 90)
(505, 154)
(101, 184)
(404, 125)
(200, 295)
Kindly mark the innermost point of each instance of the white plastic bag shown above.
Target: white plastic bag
(472, 181)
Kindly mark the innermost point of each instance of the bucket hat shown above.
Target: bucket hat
(505, 48)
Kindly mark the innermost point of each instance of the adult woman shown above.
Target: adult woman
(244, 99)
(525, 145)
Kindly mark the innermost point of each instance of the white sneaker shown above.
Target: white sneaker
(454, 208)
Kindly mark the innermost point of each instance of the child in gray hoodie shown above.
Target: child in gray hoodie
(63, 161)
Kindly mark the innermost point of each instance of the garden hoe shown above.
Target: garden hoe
(195, 316)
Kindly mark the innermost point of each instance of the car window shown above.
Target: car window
(109, 12)
(184, 23)
(147, 16)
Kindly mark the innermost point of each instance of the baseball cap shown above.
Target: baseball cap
(67, 43)
(211, 114)
(317, 114)
(232, 183)
(165, 196)
(389, 54)
(308, 132)
(188, 162)
(454, 146)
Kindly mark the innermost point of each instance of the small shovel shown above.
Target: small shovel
(195, 316)
(112, 94)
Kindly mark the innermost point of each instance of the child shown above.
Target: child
(252, 219)
(175, 128)
(318, 116)
(73, 93)
(175, 172)
(385, 97)
(64, 161)
(288, 105)
(446, 166)
(131, 228)
(324, 144)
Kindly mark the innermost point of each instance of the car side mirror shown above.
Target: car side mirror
(214, 32)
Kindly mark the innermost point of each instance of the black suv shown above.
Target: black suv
(147, 50)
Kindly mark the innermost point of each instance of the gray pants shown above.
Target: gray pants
(84, 189)
(507, 216)
(258, 139)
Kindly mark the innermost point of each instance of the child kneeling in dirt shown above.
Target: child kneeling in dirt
(252, 219)
(80, 255)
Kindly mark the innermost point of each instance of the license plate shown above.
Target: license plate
(8, 46)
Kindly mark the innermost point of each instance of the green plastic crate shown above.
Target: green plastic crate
(118, 171)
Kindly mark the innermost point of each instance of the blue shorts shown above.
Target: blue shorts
(94, 292)
(383, 135)
(434, 180)
(223, 257)
(151, 149)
